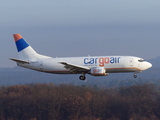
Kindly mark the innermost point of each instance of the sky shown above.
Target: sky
(68, 28)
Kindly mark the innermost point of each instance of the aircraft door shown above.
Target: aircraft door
(131, 61)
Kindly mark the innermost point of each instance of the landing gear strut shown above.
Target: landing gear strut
(135, 76)
(82, 77)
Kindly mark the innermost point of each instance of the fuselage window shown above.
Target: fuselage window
(141, 60)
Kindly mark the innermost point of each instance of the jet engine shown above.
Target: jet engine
(98, 71)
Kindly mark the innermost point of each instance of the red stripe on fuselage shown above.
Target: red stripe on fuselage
(68, 72)
(124, 68)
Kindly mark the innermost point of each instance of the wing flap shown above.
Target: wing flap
(74, 68)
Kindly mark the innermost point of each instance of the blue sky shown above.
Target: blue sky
(79, 28)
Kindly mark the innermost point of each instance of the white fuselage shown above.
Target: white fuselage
(112, 64)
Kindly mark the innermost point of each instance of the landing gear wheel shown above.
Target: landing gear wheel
(82, 77)
(135, 76)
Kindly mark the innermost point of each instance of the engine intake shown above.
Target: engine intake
(98, 71)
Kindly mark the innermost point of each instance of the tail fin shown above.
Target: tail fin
(25, 51)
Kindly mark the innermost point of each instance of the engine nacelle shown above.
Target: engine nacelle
(98, 71)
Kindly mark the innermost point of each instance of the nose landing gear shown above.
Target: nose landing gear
(135, 75)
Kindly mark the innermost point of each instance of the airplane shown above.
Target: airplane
(93, 65)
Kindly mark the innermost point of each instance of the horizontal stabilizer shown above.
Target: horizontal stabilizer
(21, 61)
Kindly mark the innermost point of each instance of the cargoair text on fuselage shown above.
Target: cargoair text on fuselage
(94, 65)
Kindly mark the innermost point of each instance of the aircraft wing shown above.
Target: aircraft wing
(75, 68)
(18, 60)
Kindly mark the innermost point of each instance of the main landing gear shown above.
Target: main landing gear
(82, 77)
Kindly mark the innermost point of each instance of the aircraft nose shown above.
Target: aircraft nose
(149, 65)
(146, 65)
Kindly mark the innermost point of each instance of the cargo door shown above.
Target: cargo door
(131, 61)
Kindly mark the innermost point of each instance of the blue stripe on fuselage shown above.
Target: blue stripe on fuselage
(21, 44)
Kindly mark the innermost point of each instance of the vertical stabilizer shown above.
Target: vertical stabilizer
(25, 51)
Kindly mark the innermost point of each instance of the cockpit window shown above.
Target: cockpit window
(141, 60)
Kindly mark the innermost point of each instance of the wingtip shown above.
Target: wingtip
(17, 37)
